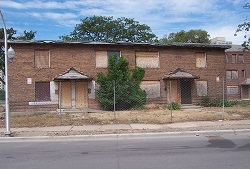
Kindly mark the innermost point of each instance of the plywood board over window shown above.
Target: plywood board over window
(152, 88)
(102, 57)
(201, 60)
(201, 88)
(42, 58)
(147, 59)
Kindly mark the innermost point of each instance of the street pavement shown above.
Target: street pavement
(198, 126)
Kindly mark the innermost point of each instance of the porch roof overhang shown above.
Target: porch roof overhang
(180, 74)
(73, 74)
(246, 82)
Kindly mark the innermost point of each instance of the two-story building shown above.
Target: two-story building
(50, 74)
(237, 60)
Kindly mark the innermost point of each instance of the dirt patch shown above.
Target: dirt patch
(151, 114)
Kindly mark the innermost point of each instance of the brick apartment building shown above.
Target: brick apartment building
(53, 74)
(237, 73)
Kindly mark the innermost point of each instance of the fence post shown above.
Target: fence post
(114, 103)
(170, 94)
(60, 105)
(223, 97)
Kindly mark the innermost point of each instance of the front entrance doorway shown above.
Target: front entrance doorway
(186, 97)
(73, 94)
(245, 92)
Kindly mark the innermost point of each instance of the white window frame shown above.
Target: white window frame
(230, 90)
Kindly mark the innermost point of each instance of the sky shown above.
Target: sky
(53, 18)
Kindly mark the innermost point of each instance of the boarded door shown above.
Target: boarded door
(81, 94)
(186, 92)
(245, 92)
(42, 91)
(66, 94)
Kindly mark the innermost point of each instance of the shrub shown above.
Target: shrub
(230, 103)
(208, 102)
(205, 101)
(175, 106)
(2, 94)
(128, 93)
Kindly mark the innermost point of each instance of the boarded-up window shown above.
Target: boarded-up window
(42, 91)
(226, 59)
(234, 58)
(232, 74)
(102, 57)
(152, 88)
(42, 58)
(231, 90)
(201, 60)
(201, 88)
(241, 58)
(147, 59)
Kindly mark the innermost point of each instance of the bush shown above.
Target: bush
(230, 103)
(208, 102)
(205, 101)
(2, 94)
(128, 93)
(175, 106)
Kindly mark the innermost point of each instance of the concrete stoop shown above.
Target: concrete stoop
(190, 106)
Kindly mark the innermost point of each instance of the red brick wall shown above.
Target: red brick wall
(239, 67)
(82, 58)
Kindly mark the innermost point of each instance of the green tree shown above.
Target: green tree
(128, 93)
(245, 26)
(107, 29)
(191, 36)
(11, 35)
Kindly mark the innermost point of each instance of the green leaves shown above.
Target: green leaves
(27, 35)
(107, 29)
(127, 90)
(192, 36)
(245, 26)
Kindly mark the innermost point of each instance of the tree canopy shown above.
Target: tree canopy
(128, 93)
(11, 35)
(191, 36)
(108, 29)
(245, 26)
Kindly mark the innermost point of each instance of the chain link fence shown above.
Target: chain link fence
(69, 102)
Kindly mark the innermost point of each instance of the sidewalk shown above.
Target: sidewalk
(128, 128)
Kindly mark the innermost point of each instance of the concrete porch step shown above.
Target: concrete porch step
(190, 106)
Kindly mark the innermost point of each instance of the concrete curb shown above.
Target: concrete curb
(124, 136)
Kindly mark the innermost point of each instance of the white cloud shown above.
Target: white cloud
(218, 17)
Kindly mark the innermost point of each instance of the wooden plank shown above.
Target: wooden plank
(81, 94)
(66, 95)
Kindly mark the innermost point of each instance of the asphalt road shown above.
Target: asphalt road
(154, 152)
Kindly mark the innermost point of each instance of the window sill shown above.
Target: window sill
(42, 103)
